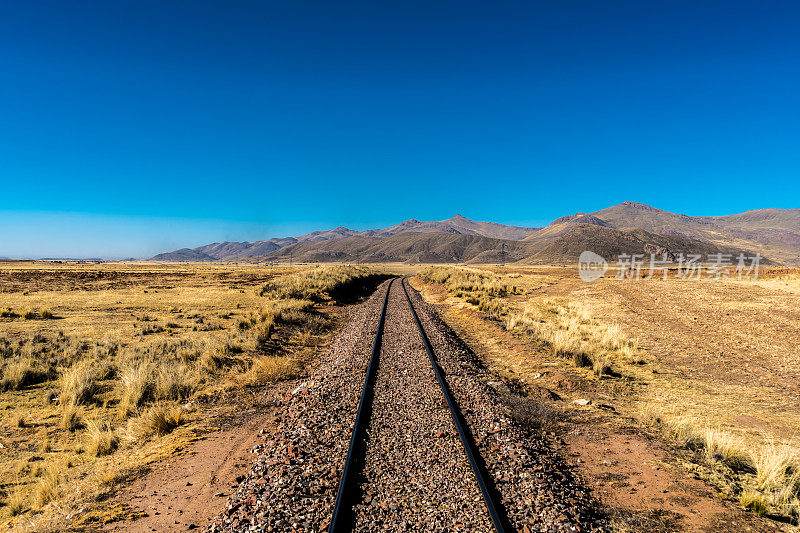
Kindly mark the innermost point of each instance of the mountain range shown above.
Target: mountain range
(629, 227)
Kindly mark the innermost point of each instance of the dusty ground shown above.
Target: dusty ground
(185, 492)
(723, 353)
(708, 346)
(198, 322)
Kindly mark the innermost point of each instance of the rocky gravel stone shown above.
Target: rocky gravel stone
(415, 475)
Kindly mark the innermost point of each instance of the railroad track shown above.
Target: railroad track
(350, 494)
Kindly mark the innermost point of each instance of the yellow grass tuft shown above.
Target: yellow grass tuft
(47, 488)
(271, 369)
(15, 503)
(78, 385)
(174, 381)
(100, 438)
(158, 420)
(19, 373)
(71, 418)
(755, 502)
(773, 464)
(137, 384)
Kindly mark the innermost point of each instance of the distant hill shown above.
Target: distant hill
(457, 225)
(774, 233)
(629, 228)
(411, 247)
(611, 243)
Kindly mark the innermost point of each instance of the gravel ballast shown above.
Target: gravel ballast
(415, 472)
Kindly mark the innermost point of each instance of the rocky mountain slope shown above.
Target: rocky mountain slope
(457, 225)
(627, 228)
(774, 233)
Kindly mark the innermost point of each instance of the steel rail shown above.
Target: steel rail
(499, 521)
(342, 513)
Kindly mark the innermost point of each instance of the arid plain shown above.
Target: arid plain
(672, 400)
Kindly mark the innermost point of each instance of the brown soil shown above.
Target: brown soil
(636, 474)
(186, 492)
(642, 483)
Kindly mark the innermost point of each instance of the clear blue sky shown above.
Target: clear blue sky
(129, 128)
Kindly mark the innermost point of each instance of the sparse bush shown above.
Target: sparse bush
(15, 503)
(138, 385)
(174, 381)
(78, 385)
(158, 420)
(100, 438)
(30, 314)
(47, 488)
(538, 415)
(46, 314)
(20, 373)
(754, 502)
(271, 369)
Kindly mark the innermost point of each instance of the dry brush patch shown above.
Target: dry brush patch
(123, 368)
(565, 326)
(712, 363)
(762, 474)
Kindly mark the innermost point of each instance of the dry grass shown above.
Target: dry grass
(570, 331)
(19, 420)
(71, 418)
(132, 344)
(158, 420)
(319, 284)
(175, 381)
(767, 475)
(718, 361)
(78, 384)
(468, 281)
(566, 326)
(137, 383)
(19, 373)
(100, 438)
(271, 369)
(755, 502)
(774, 465)
(15, 503)
(47, 488)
